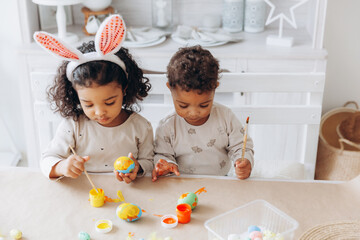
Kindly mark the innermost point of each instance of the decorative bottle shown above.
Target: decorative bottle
(162, 14)
(233, 15)
(255, 11)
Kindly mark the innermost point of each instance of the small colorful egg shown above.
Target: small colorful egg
(16, 234)
(83, 236)
(129, 212)
(253, 228)
(269, 234)
(256, 234)
(124, 165)
(189, 198)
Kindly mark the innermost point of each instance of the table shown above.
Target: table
(44, 209)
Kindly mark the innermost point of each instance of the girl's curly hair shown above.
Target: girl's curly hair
(65, 98)
(193, 68)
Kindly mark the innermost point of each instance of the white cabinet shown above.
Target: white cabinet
(280, 88)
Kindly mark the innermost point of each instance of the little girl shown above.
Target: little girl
(96, 91)
(201, 137)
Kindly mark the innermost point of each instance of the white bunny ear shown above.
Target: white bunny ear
(56, 47)
(110, 35)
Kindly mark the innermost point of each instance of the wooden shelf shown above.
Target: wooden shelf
(253, 46)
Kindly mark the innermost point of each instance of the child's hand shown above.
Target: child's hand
(71, 167)
(163, 167)
(128, 177)
(242, 168)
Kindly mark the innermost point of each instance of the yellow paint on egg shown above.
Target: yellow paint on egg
(123, 163)
(129, 212)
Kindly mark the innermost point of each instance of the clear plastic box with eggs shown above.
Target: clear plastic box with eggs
(234, 224)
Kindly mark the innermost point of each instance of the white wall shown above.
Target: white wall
(342, 40)
(10, 101)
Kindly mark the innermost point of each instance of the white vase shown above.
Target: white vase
(96, 5)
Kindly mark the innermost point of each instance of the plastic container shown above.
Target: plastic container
(183, 213)
(97, 199)
(103, 226)
(259, 213)
(169, 221)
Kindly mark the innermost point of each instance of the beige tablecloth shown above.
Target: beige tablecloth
(44, 209)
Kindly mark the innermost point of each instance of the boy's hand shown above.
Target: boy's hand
(242, 168)
(71, 167)
(128, 177)
(163, 167)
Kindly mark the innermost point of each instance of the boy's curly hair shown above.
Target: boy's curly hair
(193, 68)
(65, 98)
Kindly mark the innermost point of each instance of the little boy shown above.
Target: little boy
(201, 137)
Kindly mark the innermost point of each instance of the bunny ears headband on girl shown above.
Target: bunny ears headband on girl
(108, 40)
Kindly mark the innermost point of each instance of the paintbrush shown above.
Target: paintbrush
(87, 175)
(245, 139)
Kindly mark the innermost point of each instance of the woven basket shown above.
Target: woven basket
(337, 158)
(334, 231)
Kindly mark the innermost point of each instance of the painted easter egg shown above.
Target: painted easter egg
(253, 228)
(15, 234)
(83, 236)
(124, 165)
(129, 212)
(189, 198)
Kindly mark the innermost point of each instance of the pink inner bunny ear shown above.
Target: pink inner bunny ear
(110, 35)
(53, 45)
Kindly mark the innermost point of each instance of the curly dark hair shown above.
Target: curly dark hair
(193, 68)
(65, 97)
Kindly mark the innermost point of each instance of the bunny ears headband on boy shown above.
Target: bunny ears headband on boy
(108, 40)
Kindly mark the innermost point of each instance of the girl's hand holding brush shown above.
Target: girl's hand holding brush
(71, 167)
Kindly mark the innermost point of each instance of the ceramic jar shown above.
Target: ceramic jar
(233, 15)
(255, 11)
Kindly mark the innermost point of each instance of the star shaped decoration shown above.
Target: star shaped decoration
(271, 18)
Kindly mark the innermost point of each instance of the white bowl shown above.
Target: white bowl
(96, 5)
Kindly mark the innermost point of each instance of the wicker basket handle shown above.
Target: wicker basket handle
(352, 102)
(343, 140)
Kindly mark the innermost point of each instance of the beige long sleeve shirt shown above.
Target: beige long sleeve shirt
(103, 144)
(209, 149)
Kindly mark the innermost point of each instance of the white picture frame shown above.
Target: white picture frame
(47, 16)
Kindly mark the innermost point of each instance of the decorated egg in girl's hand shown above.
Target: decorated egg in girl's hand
(124, 165)
(189, 198)
(129, 212)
